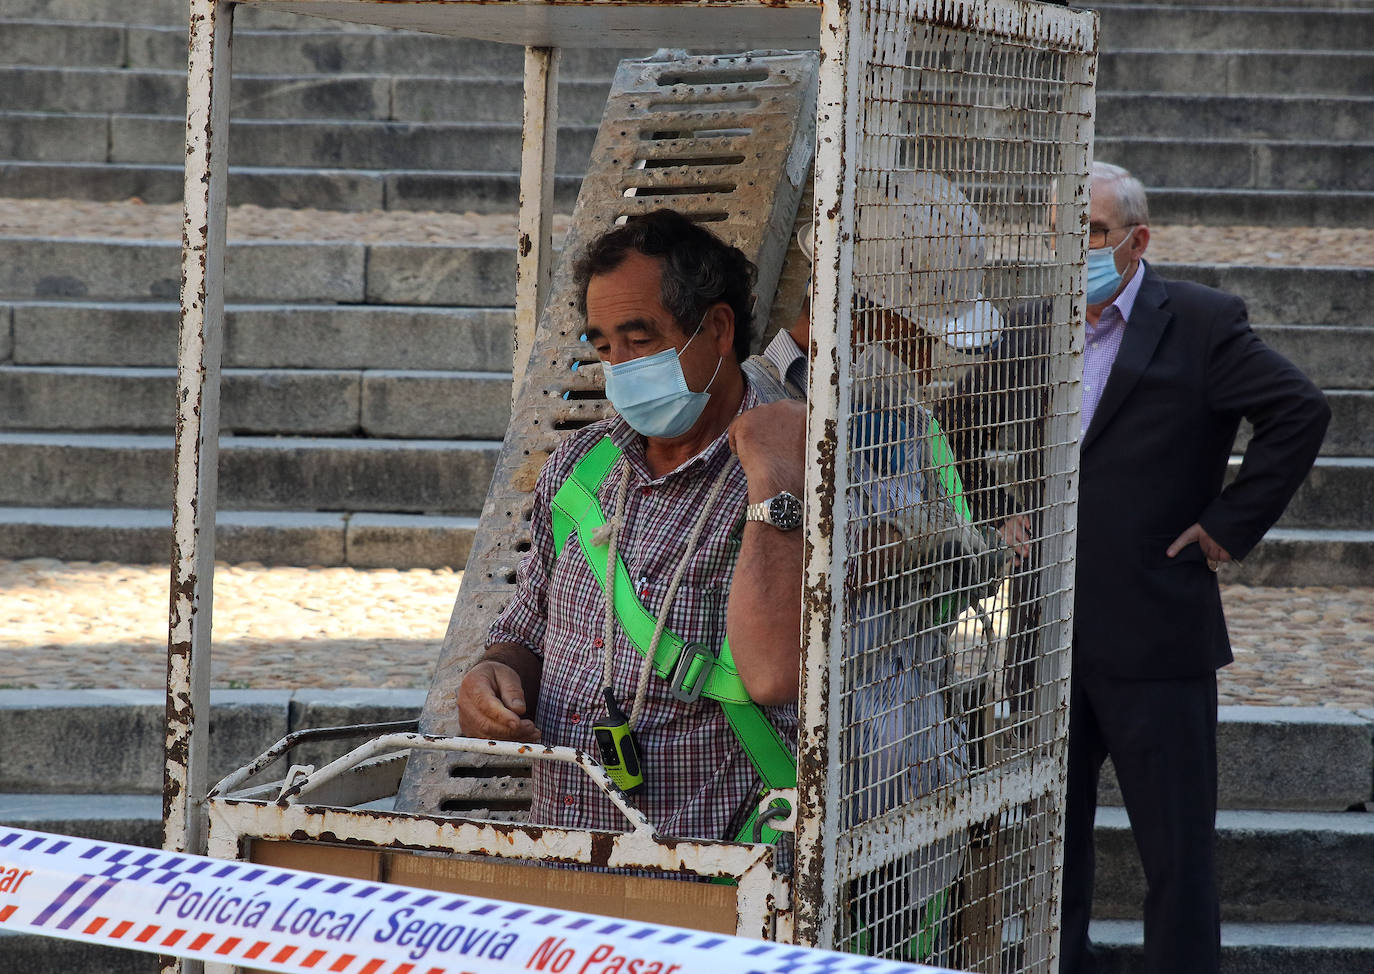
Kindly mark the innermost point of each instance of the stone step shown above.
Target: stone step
(403, 404)
(1261, 207)
(499, 192)
(1337, 494)
(352, 97)
(1251, 948)
(1272, 867)
(101, 90)
(264, 336)
(255, 473)
(34, 954)
(1296, 115)
(1351, 433)
(1290, 28)
(484, 275)
(368, 402)
(311, 47)
(479, 276)
(165, 12)
(1234, 72)
(144, 537)
(123, 732)
(1188, 163)
(363, 540)
(47, 42)
(324, 189)
(1285, 759)
(1251, 164)
(483, 146)
(1316, 556)
(1289, 295)
(324, 143)
(130, 819)
(363, 97)
(1333, 356)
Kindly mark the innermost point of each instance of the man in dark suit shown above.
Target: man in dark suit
(1170, 369)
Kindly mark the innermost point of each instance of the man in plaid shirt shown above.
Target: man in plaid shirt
(667, 309)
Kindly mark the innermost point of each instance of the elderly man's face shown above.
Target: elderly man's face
(1106, 228)
(626, 320)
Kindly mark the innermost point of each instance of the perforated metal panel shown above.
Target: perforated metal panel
(728, 141)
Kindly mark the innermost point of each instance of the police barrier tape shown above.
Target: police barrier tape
(275, 919)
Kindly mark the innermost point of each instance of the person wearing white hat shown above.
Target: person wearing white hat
(919, 255)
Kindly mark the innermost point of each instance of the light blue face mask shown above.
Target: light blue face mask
(1101, 276)
(651, 394)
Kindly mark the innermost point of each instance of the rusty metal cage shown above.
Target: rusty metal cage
(952, 144)
(951, 185)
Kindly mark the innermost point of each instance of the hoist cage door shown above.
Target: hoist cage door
(954, 147)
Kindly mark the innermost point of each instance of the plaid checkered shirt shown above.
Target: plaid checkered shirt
(700, 783)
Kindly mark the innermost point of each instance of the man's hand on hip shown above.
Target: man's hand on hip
(1216, 555)
(491, 704)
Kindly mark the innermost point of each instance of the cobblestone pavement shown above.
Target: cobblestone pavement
(84, 625)
(131, 219)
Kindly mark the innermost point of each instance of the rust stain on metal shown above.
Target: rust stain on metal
(526, 245)
(825, 452)
(602, 847)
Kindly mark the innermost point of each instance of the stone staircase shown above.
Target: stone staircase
(1255, 113)
(1251, 113)
(366, 387)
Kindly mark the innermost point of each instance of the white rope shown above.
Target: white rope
(611, 530)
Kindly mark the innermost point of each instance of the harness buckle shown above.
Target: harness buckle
(691, 671)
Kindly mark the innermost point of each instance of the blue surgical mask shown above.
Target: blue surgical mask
(1101, 276)
(651, 394)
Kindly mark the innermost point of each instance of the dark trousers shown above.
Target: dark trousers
(1161, 736)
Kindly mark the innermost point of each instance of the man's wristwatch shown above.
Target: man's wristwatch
(783, 511)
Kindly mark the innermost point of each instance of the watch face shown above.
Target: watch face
(785, 511)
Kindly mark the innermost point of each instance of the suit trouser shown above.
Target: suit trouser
(1161, 736)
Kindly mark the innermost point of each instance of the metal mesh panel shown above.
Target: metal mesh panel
(956, 426)
(728, 140)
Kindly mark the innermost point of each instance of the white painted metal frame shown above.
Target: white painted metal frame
(1038, 774)
(541, 26)
(197, 424)
(321, 805)
(534, 249)
(763, 896)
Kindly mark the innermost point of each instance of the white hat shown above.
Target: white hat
(920, 250)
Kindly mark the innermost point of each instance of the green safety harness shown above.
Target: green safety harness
(691, 670)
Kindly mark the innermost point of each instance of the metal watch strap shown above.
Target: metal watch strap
(759, 512)
(763, 511)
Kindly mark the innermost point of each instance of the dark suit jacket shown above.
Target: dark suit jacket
(1153, 462)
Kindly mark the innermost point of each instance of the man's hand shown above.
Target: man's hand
(770, 441)
(763, 618)
(1016, 532)
(491, 704)
(1214, 552)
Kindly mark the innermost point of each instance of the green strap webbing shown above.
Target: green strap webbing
(576, 510)
(947, 471)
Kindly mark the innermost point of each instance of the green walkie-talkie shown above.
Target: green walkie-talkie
(618, 750)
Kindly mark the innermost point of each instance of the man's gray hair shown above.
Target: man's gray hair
(1130, 193)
